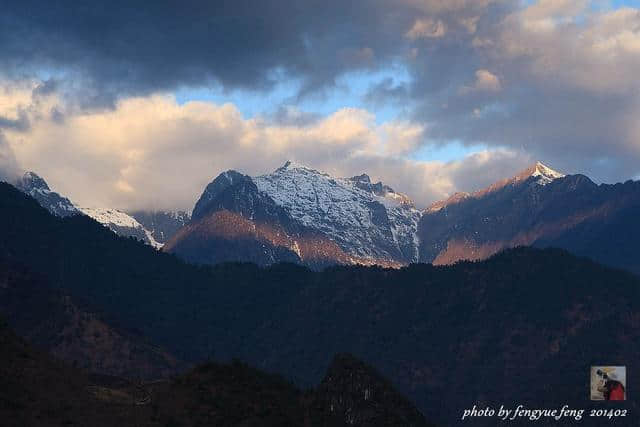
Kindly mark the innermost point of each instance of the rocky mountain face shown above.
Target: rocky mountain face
(370, 221)
(302, 215)
(151, 227)
(36, 187)
(297, 214)
(538, 207)
(162, 225)
(122, 224)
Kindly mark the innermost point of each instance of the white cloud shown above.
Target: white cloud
(426, 28)
(485, 81)
(9, 169)
(152, 152)
(599, 54)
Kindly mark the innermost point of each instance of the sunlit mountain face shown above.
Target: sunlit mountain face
(298, 214)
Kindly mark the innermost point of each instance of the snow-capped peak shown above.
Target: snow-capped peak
(546, 172)
(351, 211)
(290, 165)
(33, 181)
(36, 187)
(543, 174)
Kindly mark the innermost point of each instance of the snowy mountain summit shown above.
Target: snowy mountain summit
(543, 174)
(366, 219)
(36, 187)
(537, 175)
(117, 221)
(305, 213)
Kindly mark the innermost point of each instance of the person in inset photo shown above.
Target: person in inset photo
(611, 386)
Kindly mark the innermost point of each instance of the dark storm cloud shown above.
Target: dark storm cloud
(549, 78)
(546, 80)
(129, 47)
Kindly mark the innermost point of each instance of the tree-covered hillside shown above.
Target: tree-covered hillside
(520, 328)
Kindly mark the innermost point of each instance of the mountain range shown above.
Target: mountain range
(301, 215)
(522, 327)
(37, 390)
(541, 208)
(152, 227)
(298, 214)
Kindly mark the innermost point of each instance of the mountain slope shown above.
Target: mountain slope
(234, 221)
(302, 215)
(538, 207)
(36, 187)
(36, 391)
(367, 220)
(162, 225)
(53, 322)
(520, 328)
(355, 394)
(122, 224)
(117, 221)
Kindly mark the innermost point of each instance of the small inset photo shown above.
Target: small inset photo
(608, 383)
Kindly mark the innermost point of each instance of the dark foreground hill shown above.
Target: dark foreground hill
(520, 328)
(36, 390)
(53, 322)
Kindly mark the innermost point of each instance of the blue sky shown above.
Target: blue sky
(349, 92)
(461, 93)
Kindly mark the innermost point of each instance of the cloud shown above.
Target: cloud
(26, 101)
(99, 54)
(567, 88)
(426, 28)
(153, 153)
(485, 81)
(9, 169)
(102, 53)
(552, 79)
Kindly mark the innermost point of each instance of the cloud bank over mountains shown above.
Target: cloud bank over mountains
(87, 92)
(154, 152)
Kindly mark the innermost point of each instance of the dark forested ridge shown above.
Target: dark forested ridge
(522, 327)
(52, 321)
(38, 391)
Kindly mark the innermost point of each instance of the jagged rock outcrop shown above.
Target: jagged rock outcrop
(36, 187)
